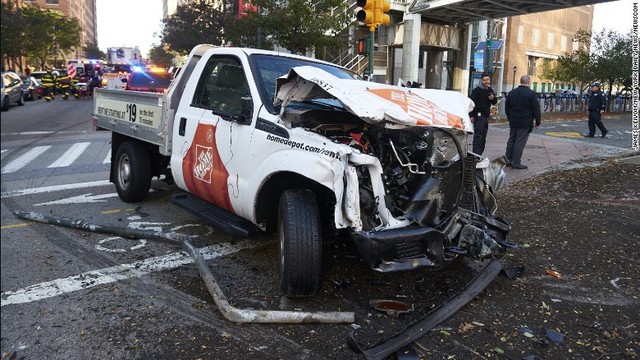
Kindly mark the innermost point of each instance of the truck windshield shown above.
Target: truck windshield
(267, 68)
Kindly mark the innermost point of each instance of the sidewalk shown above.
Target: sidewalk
(544, 153)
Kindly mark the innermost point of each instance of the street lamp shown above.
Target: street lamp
(513, 84)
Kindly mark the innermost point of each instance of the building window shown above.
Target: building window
(535, 86)
(535, 37)
(520, 34)
(550, 40)
(563, 43)
(531, 65)
(53, 2)
(576, 45)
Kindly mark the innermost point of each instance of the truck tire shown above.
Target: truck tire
(132, 171)
(300, 238)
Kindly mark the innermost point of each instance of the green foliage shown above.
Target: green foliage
(296, 25)
(160, 56)
(91, 51)
(200, 22)
(37, 33)
(11, 30)
(551, 71)
(611, 58)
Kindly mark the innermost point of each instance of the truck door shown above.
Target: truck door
(207, 156)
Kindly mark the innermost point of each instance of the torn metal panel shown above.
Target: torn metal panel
(376, 103)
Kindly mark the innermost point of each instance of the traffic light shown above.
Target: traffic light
(363, 46)
(367, 13)
(373, 13)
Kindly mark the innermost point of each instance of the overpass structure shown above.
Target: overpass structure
(439, 27)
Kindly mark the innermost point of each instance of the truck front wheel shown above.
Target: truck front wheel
(133, 171)
(300, 237)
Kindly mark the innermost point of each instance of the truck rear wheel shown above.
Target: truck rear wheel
(300, 237)
(132, 171)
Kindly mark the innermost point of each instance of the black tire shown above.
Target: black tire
(5, 104)
(21, 101)
(300, 238)
(132, 171)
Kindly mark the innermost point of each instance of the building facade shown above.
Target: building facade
(534, 38)
(83, 10)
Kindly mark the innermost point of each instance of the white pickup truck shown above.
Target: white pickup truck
(263, 141)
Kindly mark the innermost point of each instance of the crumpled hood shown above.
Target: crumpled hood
(376, 103)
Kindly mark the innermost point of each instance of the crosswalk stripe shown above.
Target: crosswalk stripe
(70, 155)
(3, 151)
(24, 159)
(107, 160)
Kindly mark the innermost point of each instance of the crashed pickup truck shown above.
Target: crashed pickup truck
(263, 141)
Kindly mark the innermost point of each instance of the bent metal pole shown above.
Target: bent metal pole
(229, 312)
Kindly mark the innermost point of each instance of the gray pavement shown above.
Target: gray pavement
(544, 152)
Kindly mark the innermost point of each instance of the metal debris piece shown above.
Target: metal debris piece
(392, 307)
(416, 330)
(513, 271)
(229, 312)
(554, 336)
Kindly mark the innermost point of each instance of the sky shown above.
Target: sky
(615, 15)
(132, 23)
(128, 23)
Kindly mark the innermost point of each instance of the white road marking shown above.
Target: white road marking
(107, 160)
(109, 275)
(3, 151)
(47, 189)
(70, 155)
(141, 244)
(24, 159)
(80, 199)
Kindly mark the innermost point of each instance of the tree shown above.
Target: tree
(611, 58)
(160, 56)
(11, 31)
(92, 51)
(549, 70)
(48, 33)
(299, 25)
(199, 22)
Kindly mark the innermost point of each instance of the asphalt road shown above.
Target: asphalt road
(70, 294)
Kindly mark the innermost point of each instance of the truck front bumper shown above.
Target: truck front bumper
(416, 246)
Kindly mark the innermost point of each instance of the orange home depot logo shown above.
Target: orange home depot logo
(423, 111)
(204, 163)
(205, 174)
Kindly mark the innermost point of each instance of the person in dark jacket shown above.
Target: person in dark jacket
(597, 104)
(523, 113)
(483, 97)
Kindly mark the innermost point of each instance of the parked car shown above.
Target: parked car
(11, 90)
(32, 89)
(148, 81)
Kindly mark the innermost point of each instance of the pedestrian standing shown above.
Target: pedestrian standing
(597, 104)
(64, 82)
(483, 97)
(523, 113)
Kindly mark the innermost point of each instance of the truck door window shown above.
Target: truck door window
(221, 86)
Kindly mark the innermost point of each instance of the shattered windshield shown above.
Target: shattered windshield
(268, 68)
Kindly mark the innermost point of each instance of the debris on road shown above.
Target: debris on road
(229, 312)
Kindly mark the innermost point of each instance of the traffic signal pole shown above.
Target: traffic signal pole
(373, 14)
(372, 33)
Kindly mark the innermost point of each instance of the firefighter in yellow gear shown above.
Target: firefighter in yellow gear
(49, 83)
(74, 87)
(64, 84)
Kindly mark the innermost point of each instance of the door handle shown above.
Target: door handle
(183, 125)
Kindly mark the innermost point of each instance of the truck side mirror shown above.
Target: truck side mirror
(247, 111)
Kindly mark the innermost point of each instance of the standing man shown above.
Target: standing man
(597, 104)
(522, 110)
(483, 97)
